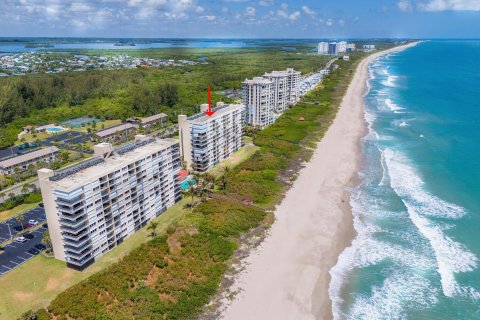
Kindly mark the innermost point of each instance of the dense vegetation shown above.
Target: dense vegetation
(117, 94)
(174, 276)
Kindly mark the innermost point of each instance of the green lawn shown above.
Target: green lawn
(105, 124)
(235, 159)
(34, 284)
(7, 214)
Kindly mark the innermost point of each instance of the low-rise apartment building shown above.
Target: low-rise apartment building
(23, 161)
(114, 133)
(205, 141)
(93, 206)
(157, 119)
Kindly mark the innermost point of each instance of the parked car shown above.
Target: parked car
(27, 226)
(41, 246)
(28, 236)
(33, 222)
(2, 248)
(41, 204)
(33, 251)
(18, 228)
(21, 239)
(45, 226)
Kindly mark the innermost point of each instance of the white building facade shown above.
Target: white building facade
(259, 100)
(322, 48)
(93, 206)
(205, 141)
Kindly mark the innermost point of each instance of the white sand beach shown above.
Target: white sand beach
(287, 277)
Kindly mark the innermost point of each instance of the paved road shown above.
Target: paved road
(17, 253)
(37, 213)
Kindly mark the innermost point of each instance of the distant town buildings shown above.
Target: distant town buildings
(22, 162)
(39, 62)
(369, 47)
(95, 205)
(269, 95)
(205, 141)
(351, 47)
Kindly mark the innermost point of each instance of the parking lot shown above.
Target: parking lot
(17, 253)
(7, 227)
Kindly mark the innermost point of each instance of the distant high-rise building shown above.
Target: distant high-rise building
(207, 140)
(333, 48)
(322, 48)
(351, 47)
(95, 205)
(342, 47)
(369, 46)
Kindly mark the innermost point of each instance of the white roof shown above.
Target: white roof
(27, 156)
(109, 131)
(153, 118)
(111, 164)
(220, 111)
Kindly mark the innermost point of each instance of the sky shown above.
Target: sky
(241, 18)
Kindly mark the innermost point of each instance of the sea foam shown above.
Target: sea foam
(424, 210)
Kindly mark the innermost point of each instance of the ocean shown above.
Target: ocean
(417, 206)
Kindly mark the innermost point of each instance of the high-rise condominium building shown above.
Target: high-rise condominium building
(205, 141)
(259, 99)
(342, 47)
(286, 84)
(93, 206)
(322, 48)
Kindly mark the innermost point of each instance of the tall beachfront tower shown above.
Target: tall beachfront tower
(93, 206)
(322, 48)
(205, 141)
(259, 99)
(281, 96)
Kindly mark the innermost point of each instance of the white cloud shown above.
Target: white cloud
(282, 14)
(294, 16)
(450, 5)
(266, 3)
(80, 7)
(199, 9)
(329, 23)
(308, 11)
(284, 6)
(250, 11)
(404, 5)
(208, 18)
(341, 23)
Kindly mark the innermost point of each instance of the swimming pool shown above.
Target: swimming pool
(55, 129)
(185, 185)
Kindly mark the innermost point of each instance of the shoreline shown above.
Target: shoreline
(287, 276)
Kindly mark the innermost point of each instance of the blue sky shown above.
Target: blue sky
(241, 18)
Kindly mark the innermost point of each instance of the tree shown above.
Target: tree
(33, 187)
(20, 219)
(226, 170)
(25, 189)
(153, 227)
(46, 240)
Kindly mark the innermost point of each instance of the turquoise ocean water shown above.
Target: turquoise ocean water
(417, 208)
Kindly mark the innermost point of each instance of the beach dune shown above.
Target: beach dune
(287, 277)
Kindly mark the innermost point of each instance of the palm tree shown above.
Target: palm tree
(46, 240)
(33, 187)
(25, 189)
(226, 170)
(153, 226)
(20, 219)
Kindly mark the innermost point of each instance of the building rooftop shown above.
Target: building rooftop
(27, 156)
(153, 118)
(109, 131)
(258, 80)
(95, 168)
(220, 111)
(281, 73)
